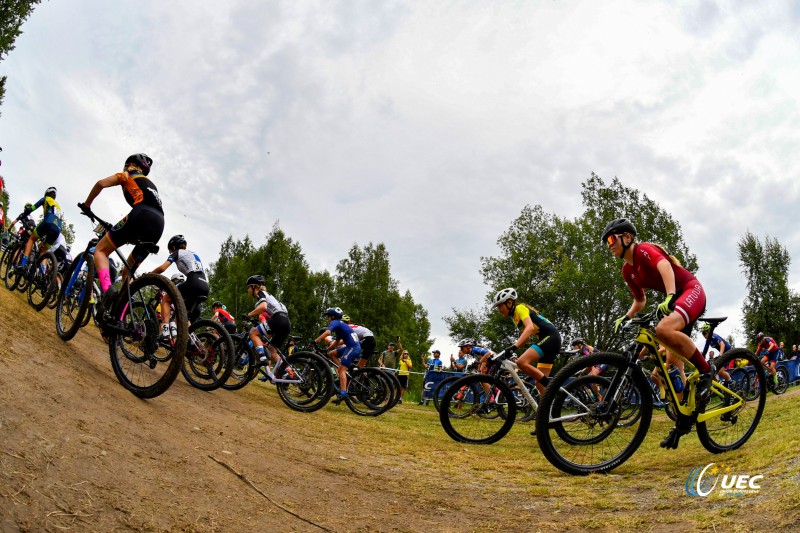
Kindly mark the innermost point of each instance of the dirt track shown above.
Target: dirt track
(78, 452)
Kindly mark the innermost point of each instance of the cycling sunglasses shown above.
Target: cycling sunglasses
(611, 239)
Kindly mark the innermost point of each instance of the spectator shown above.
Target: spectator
(388, 358)
(781, 353)
(795, 353)
(435, 364)
(460, 364)
(402, 375)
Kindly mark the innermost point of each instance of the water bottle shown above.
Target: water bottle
(677, 382)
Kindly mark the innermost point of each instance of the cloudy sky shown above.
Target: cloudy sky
(423, 125)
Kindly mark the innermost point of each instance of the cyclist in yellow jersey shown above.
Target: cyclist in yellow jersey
(542, 336)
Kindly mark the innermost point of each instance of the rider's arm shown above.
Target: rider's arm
(667, 275)
(636, 306)
(162, 267)
(322, 335)
(100, 185)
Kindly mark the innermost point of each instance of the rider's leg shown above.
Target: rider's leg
(101, 252)
(525, 363)
(166, 308)
(28, 248)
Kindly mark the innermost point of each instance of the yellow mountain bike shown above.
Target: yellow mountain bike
(589, 428)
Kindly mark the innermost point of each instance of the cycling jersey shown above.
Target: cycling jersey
(140, 191)
(224, 316)
(546, 340)
(719, 343)
(361, 331)
(187, 262)
(478, 351)
(273, 305)
(52, 211)
(643, 274)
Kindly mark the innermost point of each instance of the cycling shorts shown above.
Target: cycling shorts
(48, 232)
(142, 224)
(691, 304)
(368, 347)
(230, 327)
(548, 346)
(348, 354)
(194, 291)
(279, 327)
(772, 357)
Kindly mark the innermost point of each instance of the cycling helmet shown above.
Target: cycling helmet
(577, 342)
(176, 242)
(217, 305)
(140, 160)
(346, 318)
(335, 312)
(620, 225)
(705, 328)
(29, 208)
(178, 278)
(760, 335)
(504, 295)
(467, 342)
(255, 280)
(51, 192)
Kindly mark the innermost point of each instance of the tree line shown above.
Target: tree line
(362, 285)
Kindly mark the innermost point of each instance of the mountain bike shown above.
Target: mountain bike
(580, 435)
(303, 379)
(42, 280)
(370, 391)
(141, 364)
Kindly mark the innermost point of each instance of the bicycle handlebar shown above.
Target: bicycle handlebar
(87, 211)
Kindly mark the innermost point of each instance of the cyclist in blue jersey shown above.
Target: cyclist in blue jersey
(344, 350)
(718, 343)
(49, 228)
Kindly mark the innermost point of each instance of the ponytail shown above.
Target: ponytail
(672, 259)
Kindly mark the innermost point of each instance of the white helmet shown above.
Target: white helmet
(504, 295)
(178, 278)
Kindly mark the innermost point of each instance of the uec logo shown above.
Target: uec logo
(703, 480)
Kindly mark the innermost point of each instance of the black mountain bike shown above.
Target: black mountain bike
(142, 365)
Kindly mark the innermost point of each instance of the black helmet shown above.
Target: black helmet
(620, 225)
(140, 160)
(51, 192)
(175, 242)
(255, 280)
(335, 312)
(577, 342)
(217, 305)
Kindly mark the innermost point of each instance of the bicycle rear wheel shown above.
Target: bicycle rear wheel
(783, 380)
(209, 356)
(311, 383)
(470, 409)
(43, 280)
(730, 430)
(369, 392)
(5, 260)
(73, 297)
(440, 388)
(140, 362)
(579, 432)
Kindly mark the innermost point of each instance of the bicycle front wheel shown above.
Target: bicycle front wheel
(73, 299)
(209, 356)
(783, 380)
(43, 280)
(308, 381)
(731, 429)
(142, 365)
(470, 409)
(244, 367)
(577, 422)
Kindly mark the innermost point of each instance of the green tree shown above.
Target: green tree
(769, 304)
(12, 14)
(560, 266)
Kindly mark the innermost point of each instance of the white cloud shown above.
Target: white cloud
(423, 125)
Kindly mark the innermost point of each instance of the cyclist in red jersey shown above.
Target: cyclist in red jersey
(768, 349)
(649, 266)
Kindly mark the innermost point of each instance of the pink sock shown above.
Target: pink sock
(105, 279)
